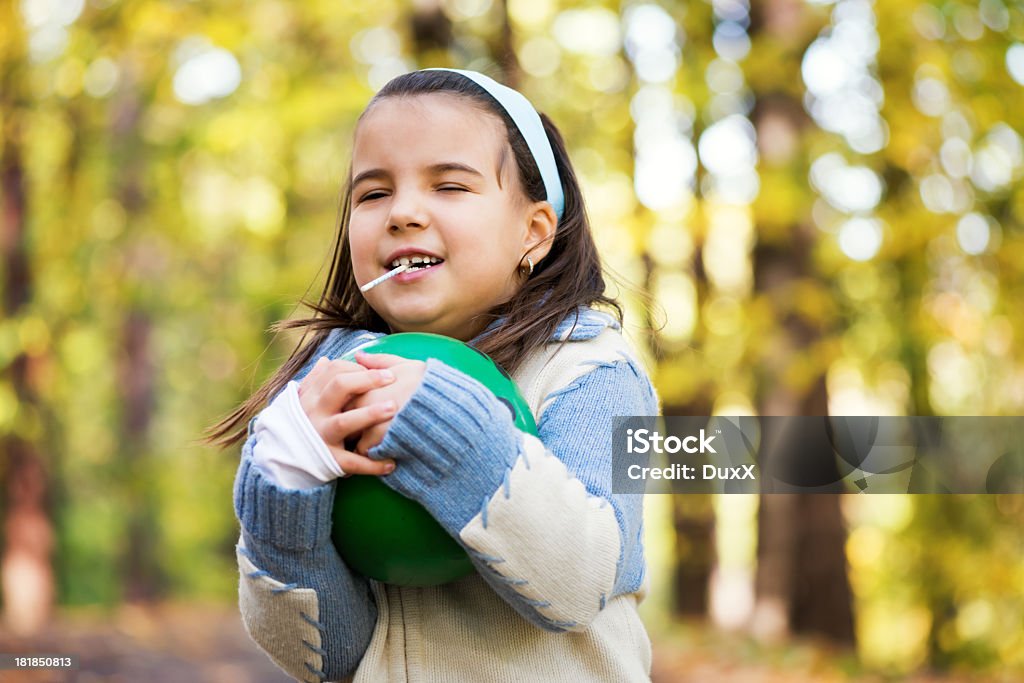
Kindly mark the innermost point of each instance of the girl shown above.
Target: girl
(464, 180)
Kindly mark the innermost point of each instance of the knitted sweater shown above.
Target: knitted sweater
(559, 560)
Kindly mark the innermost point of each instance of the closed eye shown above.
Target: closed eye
(375, 195)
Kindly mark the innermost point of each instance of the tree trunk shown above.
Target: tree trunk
(693, 519)
(26, 565)
(139, 567)
(506, 50)
(801, 585)
(822, 599)
(696, 555)
(431, 32)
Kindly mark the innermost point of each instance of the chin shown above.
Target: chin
(414, 323)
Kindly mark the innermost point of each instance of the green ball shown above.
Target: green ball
(386, 536)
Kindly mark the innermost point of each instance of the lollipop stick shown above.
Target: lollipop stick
(386, 276)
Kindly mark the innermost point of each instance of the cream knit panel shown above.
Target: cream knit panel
(387, 657)
(272, 614)
(462, 632)
(558, 365)
(565, 564)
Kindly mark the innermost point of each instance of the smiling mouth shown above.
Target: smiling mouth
(416, 262)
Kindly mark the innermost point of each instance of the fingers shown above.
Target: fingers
(373, 422)
(333, 384)
(340, 388)
(378, 360)
(353, 463)
(323, 370)
(351, 422)
(371, 437)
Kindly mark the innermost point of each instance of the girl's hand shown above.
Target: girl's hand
(324, 393)
(408, 377)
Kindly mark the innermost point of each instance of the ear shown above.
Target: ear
(540, 230)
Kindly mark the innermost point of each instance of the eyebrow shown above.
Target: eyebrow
(435, 169)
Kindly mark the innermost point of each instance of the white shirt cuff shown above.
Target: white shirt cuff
(288, 448)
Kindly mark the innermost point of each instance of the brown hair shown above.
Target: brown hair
(568, 277)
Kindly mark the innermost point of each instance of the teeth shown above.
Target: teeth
(407, 260)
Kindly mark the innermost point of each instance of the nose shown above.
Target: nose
(407, 213)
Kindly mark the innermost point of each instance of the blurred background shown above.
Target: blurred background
(823, 198)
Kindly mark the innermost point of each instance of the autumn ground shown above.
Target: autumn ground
(697, 653)
(189, 643)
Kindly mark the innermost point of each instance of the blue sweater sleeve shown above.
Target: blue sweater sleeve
(285, 534)
(455, 447)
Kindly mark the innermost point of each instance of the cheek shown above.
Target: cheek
(362, 250)
(487, 261)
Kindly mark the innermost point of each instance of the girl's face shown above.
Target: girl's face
(435, 177)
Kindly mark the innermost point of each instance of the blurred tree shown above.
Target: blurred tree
(801, 584)
(431, 28)
(26, 563)
(506, 50)
(139, 567)
(694, 560)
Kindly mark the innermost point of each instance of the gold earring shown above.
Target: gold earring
(529, 262)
